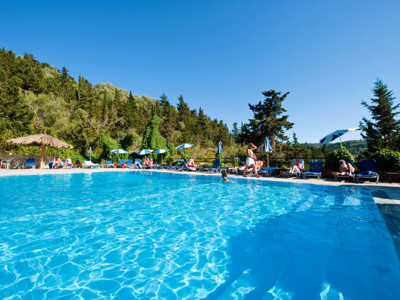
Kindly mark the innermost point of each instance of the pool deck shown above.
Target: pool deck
(386, 195)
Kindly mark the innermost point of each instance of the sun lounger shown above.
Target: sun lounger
(315, 169)
(108, 164)
(215, 167)
(129, 163)
(267, 171)
(297, 174)
(184, 166)
(89, 164)
(139, 164)
(122, 162)
(78, 164)
(346, 176)
(368, 170)
(30, 163)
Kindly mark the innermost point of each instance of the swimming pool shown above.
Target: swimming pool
(175, 236)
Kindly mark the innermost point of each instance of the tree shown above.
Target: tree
(152, 138)
(235, 131)
(295, 141)
(15, 116)
(268, 120)
(382, 131)
(169, 117)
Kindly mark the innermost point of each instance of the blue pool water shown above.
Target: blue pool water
(175, 236)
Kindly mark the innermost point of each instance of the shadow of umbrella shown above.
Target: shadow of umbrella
(41, 140)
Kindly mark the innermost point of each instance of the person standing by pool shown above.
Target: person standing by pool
(251, 160)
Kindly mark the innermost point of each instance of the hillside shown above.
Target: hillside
(38, 98)
(355, 147)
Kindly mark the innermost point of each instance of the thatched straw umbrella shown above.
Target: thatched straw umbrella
(41, 140)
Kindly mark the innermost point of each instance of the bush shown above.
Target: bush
(387, 160)
(169, 157)
(333, 158)
(131, 141)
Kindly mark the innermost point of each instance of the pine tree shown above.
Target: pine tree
(268, 120)
(382, 131)
(235, 131)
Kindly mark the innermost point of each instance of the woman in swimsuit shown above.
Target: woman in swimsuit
(251, 160)
(295, 167)
(345, 169)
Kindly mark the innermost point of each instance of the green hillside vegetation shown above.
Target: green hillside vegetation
(37, 98)
(356, 147)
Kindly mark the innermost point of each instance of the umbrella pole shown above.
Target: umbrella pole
(42, 150)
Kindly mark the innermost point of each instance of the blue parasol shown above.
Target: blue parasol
(267, 148)
(337, 134)
(219, 149)
(119, 151)
(144, 152)
(160, 151)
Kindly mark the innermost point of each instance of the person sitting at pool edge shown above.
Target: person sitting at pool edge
(296, 166)
(345, 168)
(251, 160)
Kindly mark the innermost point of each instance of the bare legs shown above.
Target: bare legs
(254, 168)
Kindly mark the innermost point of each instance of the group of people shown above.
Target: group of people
(296, 166)
(58, 163)
(148, 162)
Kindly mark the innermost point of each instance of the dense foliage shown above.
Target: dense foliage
(333, 158)
(37, 98)
(387, 160)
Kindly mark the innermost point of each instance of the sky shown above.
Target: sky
(221, 55)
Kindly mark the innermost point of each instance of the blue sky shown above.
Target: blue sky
(220, 55)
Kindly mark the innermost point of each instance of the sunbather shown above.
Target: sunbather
(57, 163)
(296, 166)
(191, 163)
(251, 160)
(345, 168)
(68, 162)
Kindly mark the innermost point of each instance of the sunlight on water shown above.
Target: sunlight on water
(176, 236)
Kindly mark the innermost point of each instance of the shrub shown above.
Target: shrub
(333, 158)
(387, 160)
